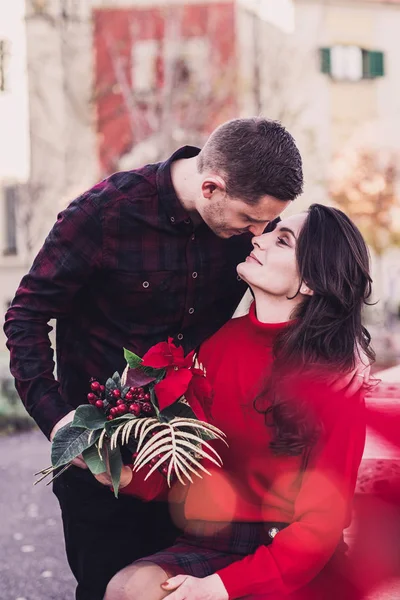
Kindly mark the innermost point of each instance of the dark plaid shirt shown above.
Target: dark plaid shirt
(122, 267)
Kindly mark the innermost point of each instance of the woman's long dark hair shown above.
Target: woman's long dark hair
(333, 261)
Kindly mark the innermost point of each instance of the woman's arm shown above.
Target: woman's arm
(322, 509)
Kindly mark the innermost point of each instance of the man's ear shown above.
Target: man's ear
(211, 184)
(305, 290)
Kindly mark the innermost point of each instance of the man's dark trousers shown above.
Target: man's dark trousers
(104, 534)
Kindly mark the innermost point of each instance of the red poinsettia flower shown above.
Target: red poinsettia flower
(199, 395)
(166, 355)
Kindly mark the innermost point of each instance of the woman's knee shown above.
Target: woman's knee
(137, 582)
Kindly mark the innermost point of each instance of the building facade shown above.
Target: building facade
(91, 86)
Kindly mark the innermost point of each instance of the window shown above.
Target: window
(144, 66)
(10, 207)
(3, 65)
(351, 63)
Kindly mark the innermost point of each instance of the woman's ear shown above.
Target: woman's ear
(305, 290)
(212, 183)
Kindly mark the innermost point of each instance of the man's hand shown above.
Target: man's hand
(195, 588)
(126, 477)
(354, 381)
(78, 461)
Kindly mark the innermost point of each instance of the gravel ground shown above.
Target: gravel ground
(32, 558)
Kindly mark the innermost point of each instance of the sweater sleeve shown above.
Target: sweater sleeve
(71, 253)
(322, 510)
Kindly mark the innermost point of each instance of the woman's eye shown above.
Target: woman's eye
(282, 241)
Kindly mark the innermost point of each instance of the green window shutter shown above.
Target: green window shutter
(373, 64)
(377, 64)
(325, 57)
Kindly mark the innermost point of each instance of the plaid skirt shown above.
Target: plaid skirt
(205, 547)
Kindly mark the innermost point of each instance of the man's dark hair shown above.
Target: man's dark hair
(257, 157)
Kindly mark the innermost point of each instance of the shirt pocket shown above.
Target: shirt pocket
(147, 298)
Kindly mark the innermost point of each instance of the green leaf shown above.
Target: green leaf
(134, 361)
(69, 442)
(154, 401)
(116, 379)
(115, 463)
(177, 409)
(110, 384)
(93, 460)
(89, 417)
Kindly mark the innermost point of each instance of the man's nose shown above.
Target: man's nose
(258, 229)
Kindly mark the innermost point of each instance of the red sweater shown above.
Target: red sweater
(254, 485)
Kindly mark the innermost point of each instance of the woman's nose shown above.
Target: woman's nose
(258, 241)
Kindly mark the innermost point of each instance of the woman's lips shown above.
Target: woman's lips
(253, 258)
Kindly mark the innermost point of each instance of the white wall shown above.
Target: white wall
(14, 126)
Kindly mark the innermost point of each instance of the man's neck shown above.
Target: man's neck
(274, 309)
(186, 180)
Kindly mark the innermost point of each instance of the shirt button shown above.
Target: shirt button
(194, 275)
(272, 532)
(172, 219)
(145, 284)
(239, 278)
(180, 336)
(187, 221)
(191, 311)
(193, 238)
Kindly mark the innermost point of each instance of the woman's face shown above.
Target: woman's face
(272, 265)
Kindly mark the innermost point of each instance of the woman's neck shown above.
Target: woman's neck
(274, 309)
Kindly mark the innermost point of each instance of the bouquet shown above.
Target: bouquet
(153, 417)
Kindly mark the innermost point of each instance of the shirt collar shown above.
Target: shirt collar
(165, 188)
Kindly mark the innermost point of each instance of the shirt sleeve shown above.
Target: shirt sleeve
(322, 510)
(70, 254)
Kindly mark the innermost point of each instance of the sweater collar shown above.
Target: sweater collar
(268, 331)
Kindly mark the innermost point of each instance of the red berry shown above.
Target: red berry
(133, 390)
(147, 408)
(102, 388)
(135, 409)
(109, 418)
(113, 411)
(99, 404)
(147, 396)
(154, 461)
(95, 386)
(122, 409)
(164, 470)
(120, 401)
(135, 455)
(129, 396)
(117, 393)
(140, 390)
(91, 397)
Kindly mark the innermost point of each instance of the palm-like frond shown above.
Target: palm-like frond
(177, 443)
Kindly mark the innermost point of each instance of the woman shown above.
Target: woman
(269, 522)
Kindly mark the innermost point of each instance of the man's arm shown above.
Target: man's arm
(71, 253)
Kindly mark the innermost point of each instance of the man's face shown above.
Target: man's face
(227, 217)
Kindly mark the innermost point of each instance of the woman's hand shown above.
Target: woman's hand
(359, 377)
(195, 588)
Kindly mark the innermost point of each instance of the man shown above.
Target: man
(143, 255)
